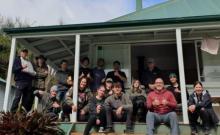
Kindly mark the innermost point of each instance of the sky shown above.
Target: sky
(53, 12)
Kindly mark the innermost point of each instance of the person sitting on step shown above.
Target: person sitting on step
(161, 104)
(200, 105)
(174, 87)
(97, 115)
(48, 103)
(118, 107)
(138, 98)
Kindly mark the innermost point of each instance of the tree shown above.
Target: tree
(6, 22)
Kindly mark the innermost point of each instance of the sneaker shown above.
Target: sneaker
(207, 132)
(109, 130)
(194, 132)
(101, 130)
(129, 131)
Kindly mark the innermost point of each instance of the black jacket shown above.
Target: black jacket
(93, 103)
(147, 76)
(204, 102)
(20, 76)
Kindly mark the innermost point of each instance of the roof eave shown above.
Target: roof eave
(89, 26)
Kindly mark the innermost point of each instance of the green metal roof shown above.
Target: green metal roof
(174, 9)
(119, 24)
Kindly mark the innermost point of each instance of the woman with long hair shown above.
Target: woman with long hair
(138, 98)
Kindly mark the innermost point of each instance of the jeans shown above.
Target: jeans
(24, 90)
(92, 122)
(127, 115)
(155, 119)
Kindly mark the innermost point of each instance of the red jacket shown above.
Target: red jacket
(161, 95)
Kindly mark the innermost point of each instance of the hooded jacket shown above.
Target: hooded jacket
(161, 95)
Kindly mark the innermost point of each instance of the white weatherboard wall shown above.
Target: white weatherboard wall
(211, 64)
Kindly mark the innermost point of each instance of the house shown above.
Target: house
(170, 32)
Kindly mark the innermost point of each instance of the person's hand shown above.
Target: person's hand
(56, 105)
(116, 73)
(82, 112)
(24, 66)
(41, 92)
(164, 102)
(81, 75)
(177, 90)
(46, 72)
(74, 108)
(119, 111)
(155, 102)
(98, 121)
(98, 108)
(192, 108)
(110, 92)
(88, 75)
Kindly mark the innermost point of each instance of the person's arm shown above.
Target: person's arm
(38, 93)
(122, 76)
(107, 102)
(172, 101)
(128, 102)
(149, 101)
(17, 67)
(86, 107)
(108, 75)
(42, 74)
(92, 106)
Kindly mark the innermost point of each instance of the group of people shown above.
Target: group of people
(103, 98)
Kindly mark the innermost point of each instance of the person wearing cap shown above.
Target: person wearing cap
(117, 75)
(108, 87)
(175, 89)
(23, 82)
(41, 73)
(149, 74)
(98, 75)
(119, 108)
(161, 105)
(48, 103)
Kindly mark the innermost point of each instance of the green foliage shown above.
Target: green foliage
(35, 123)
(5, 41)
(4, 54)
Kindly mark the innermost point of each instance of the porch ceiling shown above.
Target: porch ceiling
(58, 48)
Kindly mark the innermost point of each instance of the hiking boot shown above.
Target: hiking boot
(109, 130)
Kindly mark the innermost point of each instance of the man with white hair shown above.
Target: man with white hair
(48, 102)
